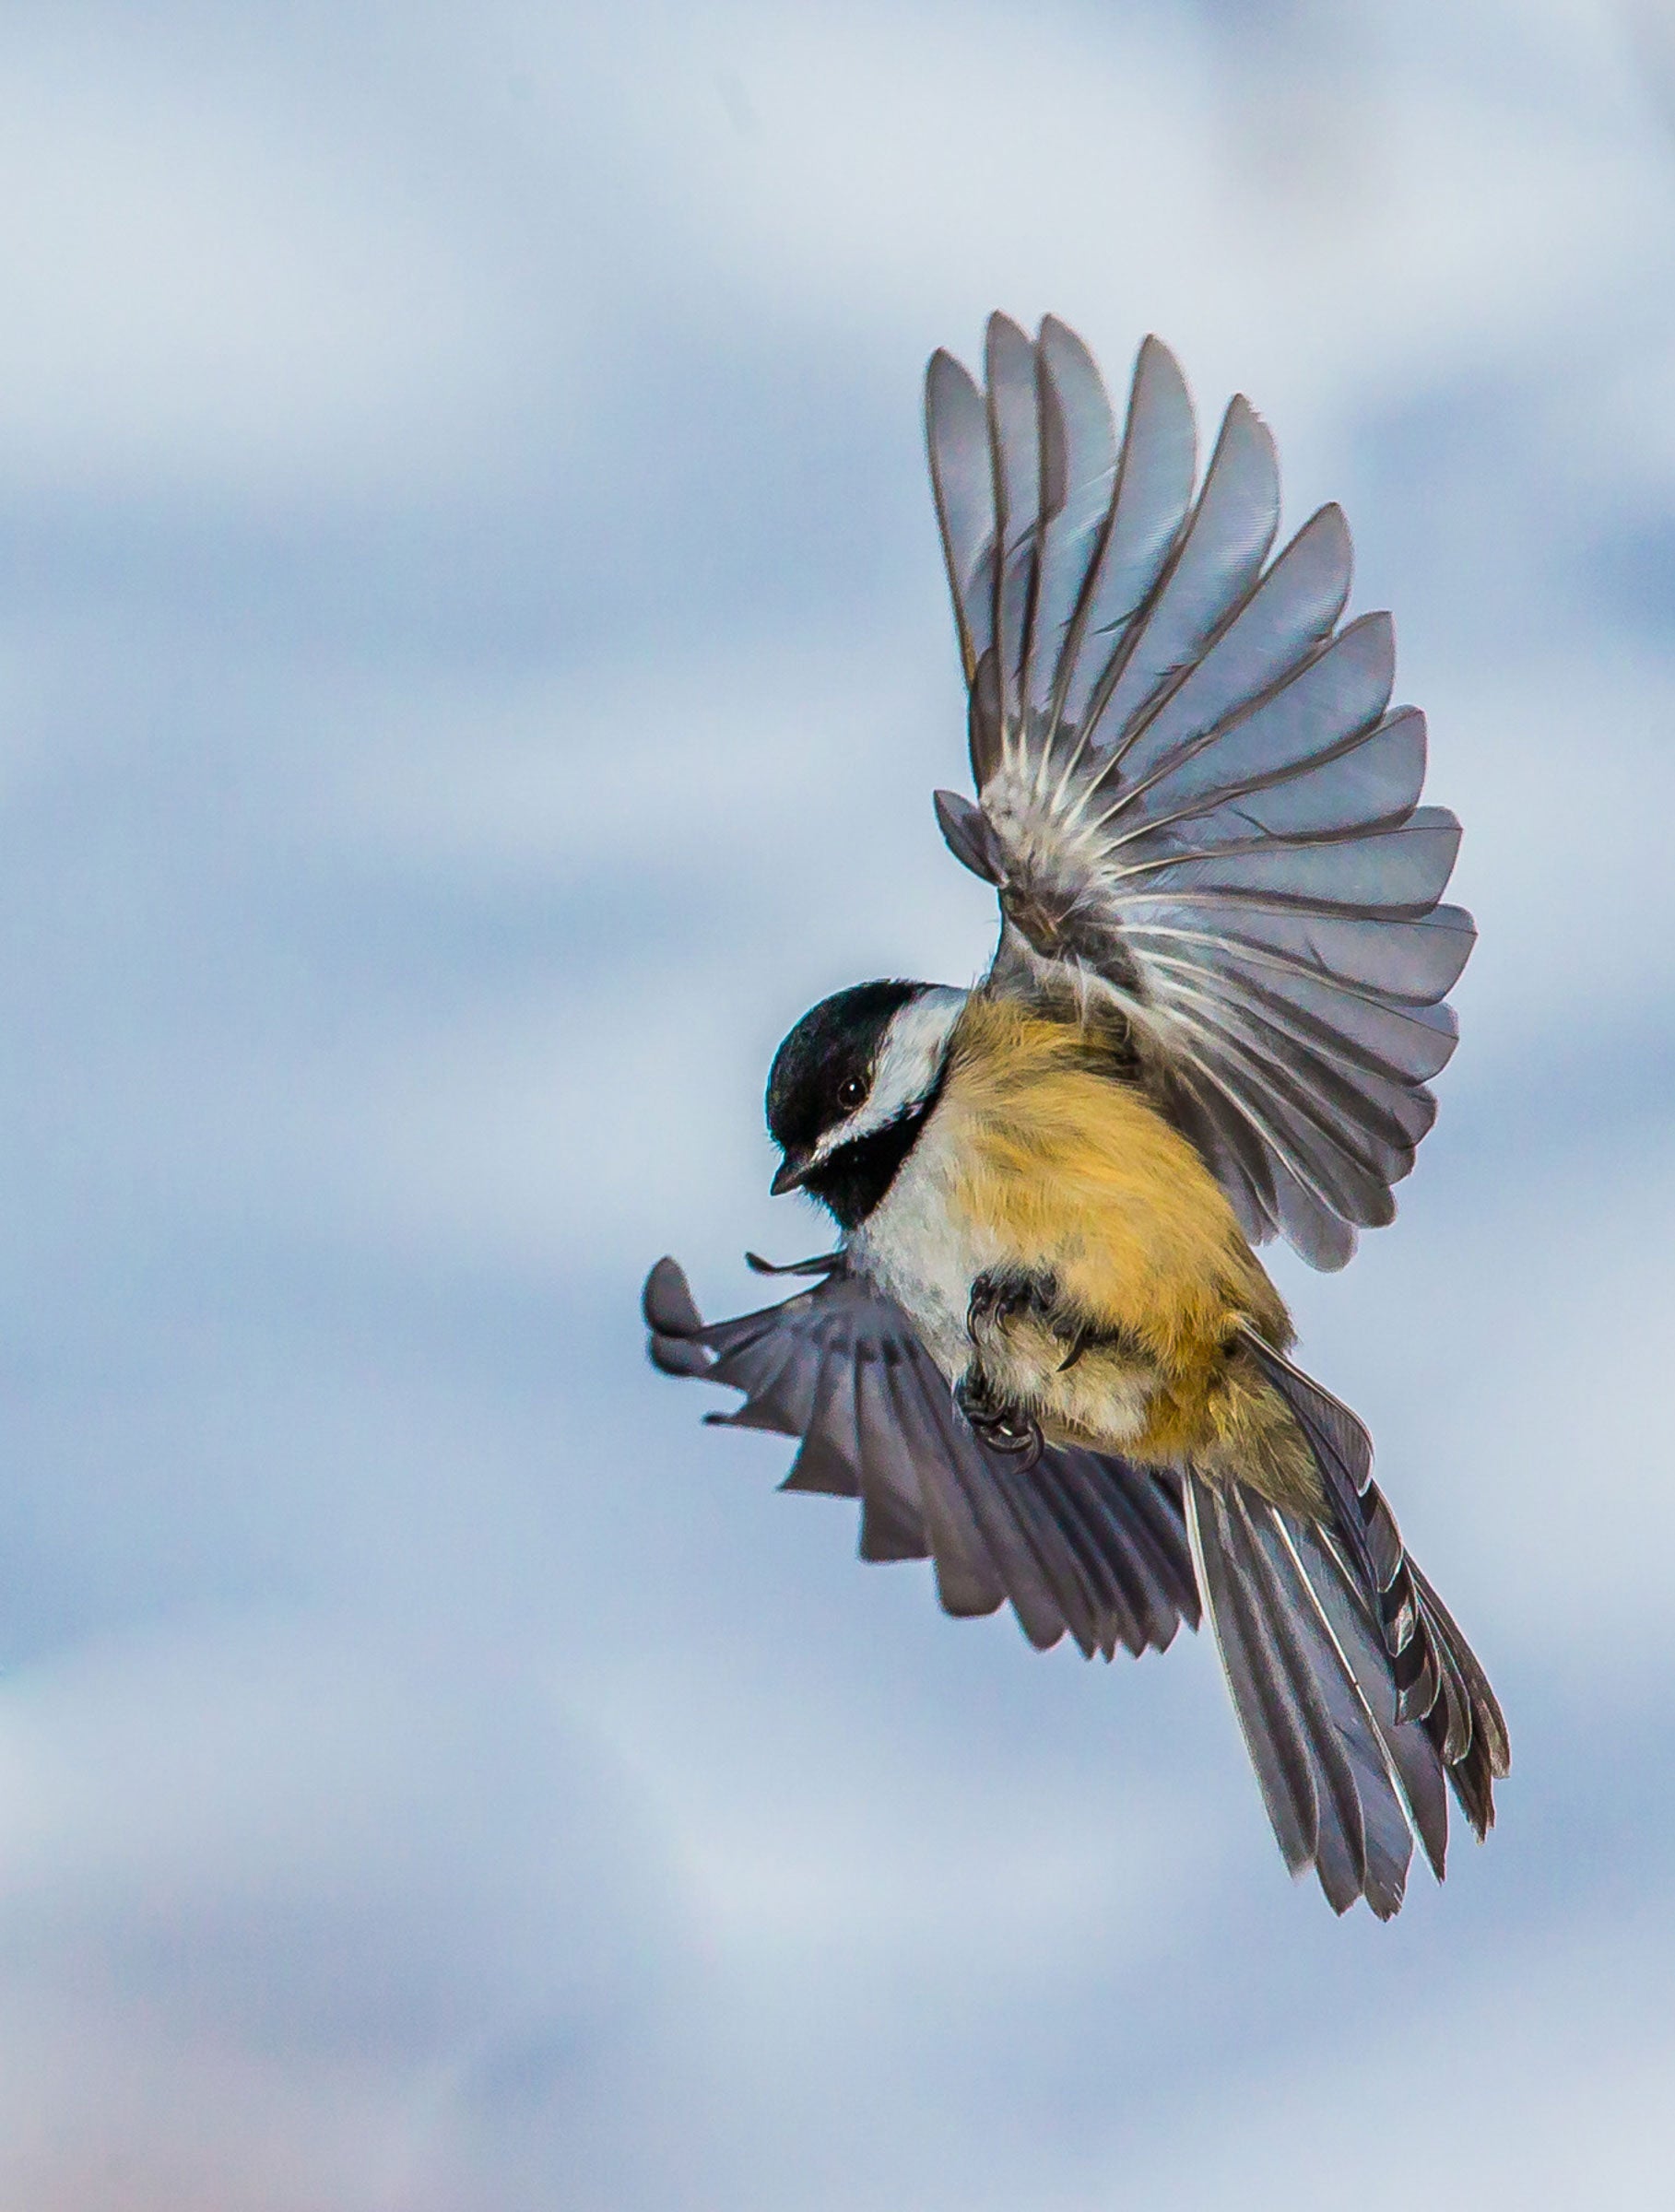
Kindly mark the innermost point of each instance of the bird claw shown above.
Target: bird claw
(1079, 1345)
(995, 1298)
(1005, 1429)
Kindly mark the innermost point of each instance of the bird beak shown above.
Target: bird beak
(792, 1175)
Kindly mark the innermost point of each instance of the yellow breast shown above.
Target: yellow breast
(1076, 1176)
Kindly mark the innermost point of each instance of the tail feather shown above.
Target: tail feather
(1333, 1792)
(1486, 1758)
(1412, 1756)
(1437, 1679)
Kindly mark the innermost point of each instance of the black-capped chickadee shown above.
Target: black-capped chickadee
(1043, 1351)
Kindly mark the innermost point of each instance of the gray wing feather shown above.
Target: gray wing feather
(962, 481)
(1081, 1543)
(1282, 621)
(968, 1581)
(1078, 452)
(1150, 498)
(891, 1524)
(1219, 559)
(1298, 731)
(1015, 443)
(1192, 793)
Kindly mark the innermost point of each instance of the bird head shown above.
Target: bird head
(851, 1086)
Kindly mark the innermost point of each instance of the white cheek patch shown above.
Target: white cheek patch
(907, 1068)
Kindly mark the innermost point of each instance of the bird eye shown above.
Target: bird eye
(851, 1091)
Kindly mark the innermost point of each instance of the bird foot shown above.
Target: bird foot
(998, 1299)
(1004, 1427)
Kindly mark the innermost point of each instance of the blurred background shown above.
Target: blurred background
(474, 663)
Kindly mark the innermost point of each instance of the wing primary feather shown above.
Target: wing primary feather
(956, 430)
(1079, 480)
(667, 1302)
(892, 1524)
(1413, 861)
(1370, 780)
(677, 1355)
(1120, 1613)
(1259, 641)
(1214, 569)
(1081, 1541)
(966, 1582)
(760, 1371)
(1127, 1605)
(1149, 506)
(1015, 444)
(828, 1458)
(1325, 709)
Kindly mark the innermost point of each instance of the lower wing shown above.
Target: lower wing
(1081, 1543)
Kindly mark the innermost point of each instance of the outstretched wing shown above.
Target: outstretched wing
(1193, 796)
(1079, 1541)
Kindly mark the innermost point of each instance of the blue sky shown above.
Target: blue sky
(473, 668)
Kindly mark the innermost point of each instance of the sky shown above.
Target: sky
(474, 663)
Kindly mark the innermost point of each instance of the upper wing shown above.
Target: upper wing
(1192, 794)
(1079, 1541)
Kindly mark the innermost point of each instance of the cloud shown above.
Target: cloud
(288, 1901)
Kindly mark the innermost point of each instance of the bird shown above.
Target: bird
(1043, 1351)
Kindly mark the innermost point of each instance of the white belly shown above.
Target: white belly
(922, 1252)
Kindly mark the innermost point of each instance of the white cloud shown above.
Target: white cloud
(1538, 2080)
(214, 288)
(271, 1921)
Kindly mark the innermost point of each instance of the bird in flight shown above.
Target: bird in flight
(1043, 1351)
